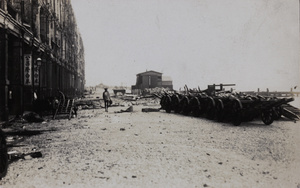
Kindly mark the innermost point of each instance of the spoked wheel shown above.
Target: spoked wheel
(203, 105)
(210, 111)
(267, 116)
(175, 103)
(277, 112)
(185, 102)
(3, 155)
(196, 107)
(163, 102)
(236, 112)
(167, 104)
(219, 110)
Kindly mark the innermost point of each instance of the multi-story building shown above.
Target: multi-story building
(41, 51)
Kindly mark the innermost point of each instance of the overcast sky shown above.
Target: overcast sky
(252, 43)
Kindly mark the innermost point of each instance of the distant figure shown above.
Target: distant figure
(55, 104)
(106, 98)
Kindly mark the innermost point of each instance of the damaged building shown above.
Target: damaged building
(151, 79)
(41, 51)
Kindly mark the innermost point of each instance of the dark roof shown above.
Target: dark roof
(149, 72)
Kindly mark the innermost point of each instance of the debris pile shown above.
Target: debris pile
(32, 117)
(88, 103)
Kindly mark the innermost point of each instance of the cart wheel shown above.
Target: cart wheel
(210, 111)
(267, 117)
(203, 105)
(236, 112)
(3, 155)
(277, 112)
(163, 102)
(184, 103)
(219, 110)
(196, 107)
(175, 104)
(167, 104)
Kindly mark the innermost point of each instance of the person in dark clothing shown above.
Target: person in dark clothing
(106, 98)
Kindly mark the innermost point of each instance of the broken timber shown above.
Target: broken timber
(65, 107)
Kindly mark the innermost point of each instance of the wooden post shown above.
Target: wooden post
(292, 93)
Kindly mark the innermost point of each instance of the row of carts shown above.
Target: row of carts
(228, 106)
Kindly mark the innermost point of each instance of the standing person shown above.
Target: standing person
(106, 98)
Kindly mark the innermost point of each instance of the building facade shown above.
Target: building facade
(41, 51)
(152, 79)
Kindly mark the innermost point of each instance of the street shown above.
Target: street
(156, 149)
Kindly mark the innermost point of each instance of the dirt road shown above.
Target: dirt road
(156, 149)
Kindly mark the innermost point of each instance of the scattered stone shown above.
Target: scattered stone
(133, 176)
(205, 185)
(122, 129)
(220, 163)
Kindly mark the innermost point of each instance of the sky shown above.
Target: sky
(250, 43)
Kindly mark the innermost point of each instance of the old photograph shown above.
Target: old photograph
(149, 93)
